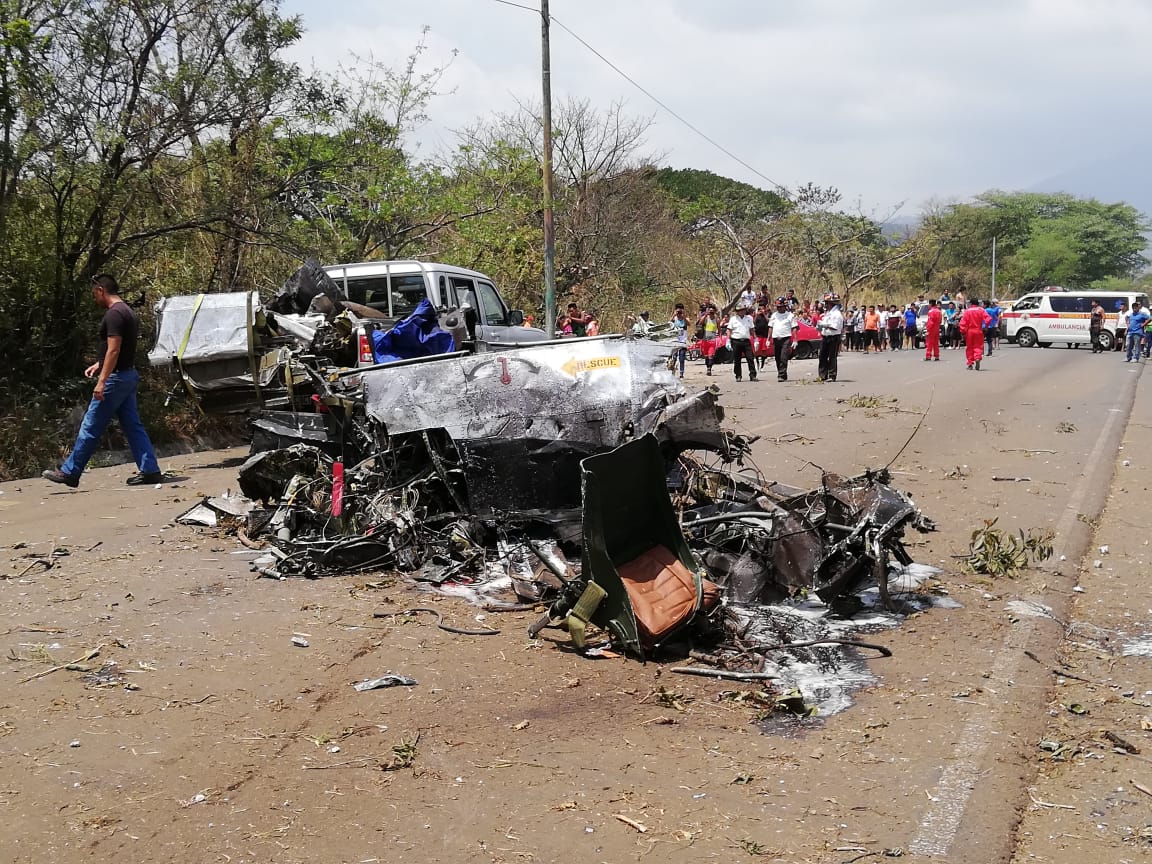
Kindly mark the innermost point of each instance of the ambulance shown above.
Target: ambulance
(1047, 317)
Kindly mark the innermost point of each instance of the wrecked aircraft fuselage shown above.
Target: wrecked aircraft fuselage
(434, 463)
(523, 420)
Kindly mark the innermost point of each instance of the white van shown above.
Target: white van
(1047, 317)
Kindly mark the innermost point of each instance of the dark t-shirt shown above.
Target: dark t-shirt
(120, 321)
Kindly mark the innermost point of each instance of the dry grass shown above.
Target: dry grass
(38, 426)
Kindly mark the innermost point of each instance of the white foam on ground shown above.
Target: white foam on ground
(476, 593)
(828, 675)
(1139, 647)
(1029, 609)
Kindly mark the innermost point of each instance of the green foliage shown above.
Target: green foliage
(704, 193)
(994, 552)
(1041, 239)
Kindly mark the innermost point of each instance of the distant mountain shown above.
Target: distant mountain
(1121, 176)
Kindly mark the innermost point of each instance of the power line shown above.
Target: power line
(520, 6)
(779, 186)
(650, 95)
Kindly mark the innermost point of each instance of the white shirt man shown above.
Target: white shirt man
(832, 322)
(740, 326)
(747, 299)
(782, 324)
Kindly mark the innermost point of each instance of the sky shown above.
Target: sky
(897, 103)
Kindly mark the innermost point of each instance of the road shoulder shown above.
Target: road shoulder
(1092, 794)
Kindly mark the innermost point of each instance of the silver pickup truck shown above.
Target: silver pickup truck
(395, 288)
(234, 352)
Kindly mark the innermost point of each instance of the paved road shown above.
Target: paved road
(936, 759)
(965, 760)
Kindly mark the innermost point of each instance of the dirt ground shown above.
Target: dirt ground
(199, 733)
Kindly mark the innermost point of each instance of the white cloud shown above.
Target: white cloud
(890, 100)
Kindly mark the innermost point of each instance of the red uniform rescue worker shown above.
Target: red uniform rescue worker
(972, 324)
(932, 331)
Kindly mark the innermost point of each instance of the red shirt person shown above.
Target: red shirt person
(932, 331)
(972, 324)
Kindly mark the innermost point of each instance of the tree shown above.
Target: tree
(109, 145)
(613, 227)
(734, 225)
(843, 252)
(1040, 238)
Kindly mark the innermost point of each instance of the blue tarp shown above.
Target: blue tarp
(418, 335)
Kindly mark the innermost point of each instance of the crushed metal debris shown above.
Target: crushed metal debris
(580, 477)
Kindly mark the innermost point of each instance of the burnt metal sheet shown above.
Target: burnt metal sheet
(599, 393)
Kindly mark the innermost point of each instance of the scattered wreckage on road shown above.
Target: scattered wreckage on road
(578, 476)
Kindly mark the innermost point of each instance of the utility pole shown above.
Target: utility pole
(549, 230)
(993, 269)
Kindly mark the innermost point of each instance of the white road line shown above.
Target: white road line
(958, 780)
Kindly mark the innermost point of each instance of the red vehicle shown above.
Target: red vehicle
(807, 346)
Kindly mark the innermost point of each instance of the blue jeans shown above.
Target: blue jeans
(1135, 340)
(120, 402)
(681, 356)
(1147, 342)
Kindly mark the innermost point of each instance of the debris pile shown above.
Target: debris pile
(580, 478)
(232, 352)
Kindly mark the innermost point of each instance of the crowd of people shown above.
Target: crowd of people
(578, 324)
(758, 328)
(755, 329)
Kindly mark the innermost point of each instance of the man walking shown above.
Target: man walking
(932, 331)
(992, 325)
(1121, 325)
(972, 324)
(1136, 321)
(115, 392)
(740, 326)
(783, 325)
(1096, 326)
(831, 331)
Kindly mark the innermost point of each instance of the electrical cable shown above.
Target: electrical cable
(780, 188)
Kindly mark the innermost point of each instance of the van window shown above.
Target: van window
(465, 299)
(407, 292)
(1070, 303)
(463, 293)
(493, 310)
(1025, 304)
(1142, 299)
(368, 291)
